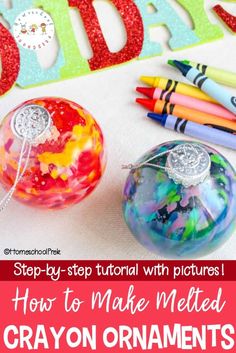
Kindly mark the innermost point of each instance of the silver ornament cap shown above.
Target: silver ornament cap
(31, 122)
(188, 164)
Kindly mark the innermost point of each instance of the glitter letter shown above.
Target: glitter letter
(75, 64)
(131, 17)
(10, 59)
(204, 29)
(31, 72)
(226, 17)
(182, 35)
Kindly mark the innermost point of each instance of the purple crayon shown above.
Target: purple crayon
(195, 130)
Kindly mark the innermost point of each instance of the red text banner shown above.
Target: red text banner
(109, 270)
(166, 306)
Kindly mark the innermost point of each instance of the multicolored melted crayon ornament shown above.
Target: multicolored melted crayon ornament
(51, 153)
(179, 200)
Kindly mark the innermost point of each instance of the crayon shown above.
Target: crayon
(195, 130)
(161, 107)
(221, 76)
(175, 86)
(187, 101)
(208, 86)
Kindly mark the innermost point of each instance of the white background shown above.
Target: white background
(95, 229)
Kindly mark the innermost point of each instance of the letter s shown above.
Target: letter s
(228, 343)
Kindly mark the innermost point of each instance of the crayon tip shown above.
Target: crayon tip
(148, 92)
(171, 63)
(159, 118)
(186, 62)
(182, 67)
(156, 117)
(147, 103)
(150, 81)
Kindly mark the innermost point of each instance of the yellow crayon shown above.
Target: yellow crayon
(175, 86)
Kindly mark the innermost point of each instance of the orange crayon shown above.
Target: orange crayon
(162, 107)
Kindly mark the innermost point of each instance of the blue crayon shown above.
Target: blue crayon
(208, 86)
(195, 130)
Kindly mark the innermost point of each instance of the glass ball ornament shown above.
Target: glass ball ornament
(66, 158)
(179, 200)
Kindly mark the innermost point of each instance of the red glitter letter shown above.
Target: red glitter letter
(226, 17)
(10, 58)
(102, 57)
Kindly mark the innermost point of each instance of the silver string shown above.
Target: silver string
(19, 175)
(184, 173)
(146, 163)
(36, 121)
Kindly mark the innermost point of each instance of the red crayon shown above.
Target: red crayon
(187, 101)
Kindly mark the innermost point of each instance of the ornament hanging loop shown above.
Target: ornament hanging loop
(24, 154)
(188, 164)
(30, 124)
(147, 162)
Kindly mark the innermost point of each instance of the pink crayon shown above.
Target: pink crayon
(187, 101)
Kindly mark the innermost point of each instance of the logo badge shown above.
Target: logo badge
(33, 29)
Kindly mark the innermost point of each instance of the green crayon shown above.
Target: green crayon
(221, 76)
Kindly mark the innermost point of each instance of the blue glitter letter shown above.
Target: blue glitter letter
(182, 35)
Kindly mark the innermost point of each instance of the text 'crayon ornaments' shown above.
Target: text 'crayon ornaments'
(179, 200)
(66, 158)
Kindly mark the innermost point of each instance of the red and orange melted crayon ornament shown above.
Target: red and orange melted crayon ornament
(51, 153)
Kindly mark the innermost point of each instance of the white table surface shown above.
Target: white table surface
(95, 229)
